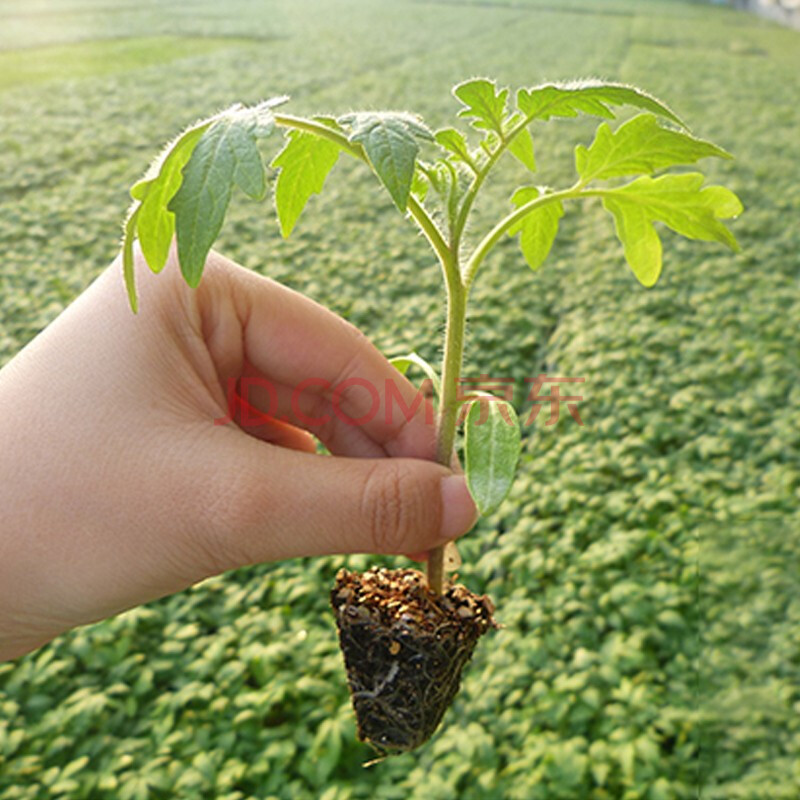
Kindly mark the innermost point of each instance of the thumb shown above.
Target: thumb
(287, 503)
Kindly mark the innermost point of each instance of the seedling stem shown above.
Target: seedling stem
(188, 188)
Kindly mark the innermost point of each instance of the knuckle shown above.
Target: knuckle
(394, 508)
(360, 339)
(318, 419)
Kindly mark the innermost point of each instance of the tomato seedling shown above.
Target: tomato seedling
(434, 178)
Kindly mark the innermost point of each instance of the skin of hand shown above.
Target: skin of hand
(117, 487)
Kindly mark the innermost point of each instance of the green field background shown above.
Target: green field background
(646, 566)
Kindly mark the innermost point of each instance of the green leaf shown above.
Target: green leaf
(491, 451)
(226, 154)
(420, 184)
(639, 147)
(156, 224)
(538, 229)
(304, 165)
(485, 104)
(391, 143)
(680, 202)
(521, 147)
(134, 788)
(455, 143)
(402, 363)
(587, 97)
(438, 175)
(74, 767)
(129, 234)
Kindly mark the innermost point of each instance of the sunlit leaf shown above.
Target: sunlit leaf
(537, 230)
(226, 155)
(678, 201)
(639, 147)
(485, 104)
(304, 165)
(587, 97)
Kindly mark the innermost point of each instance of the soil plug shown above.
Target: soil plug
(404, 649)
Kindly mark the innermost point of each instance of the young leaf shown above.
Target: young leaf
(391, 142)
(680, 202)
(587, 97)
(456, 143)
(521, 147)
(639, 147)
(420, 184)
(226, 154)
(439, 175)
(484, 103)
(304, 165)
(402, 363)
(538, 229)
(156, 224)
(491, 451)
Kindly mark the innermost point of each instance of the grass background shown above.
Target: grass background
(645, 566)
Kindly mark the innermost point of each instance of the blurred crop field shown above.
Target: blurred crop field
(646, 566)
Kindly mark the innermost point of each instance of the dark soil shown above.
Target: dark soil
(404, 648)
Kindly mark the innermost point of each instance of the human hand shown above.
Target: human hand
(116, 486)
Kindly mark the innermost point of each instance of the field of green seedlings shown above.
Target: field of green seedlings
(646, 566)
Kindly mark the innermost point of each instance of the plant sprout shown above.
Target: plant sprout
(434, 179)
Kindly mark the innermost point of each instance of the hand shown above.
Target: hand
(117, 487)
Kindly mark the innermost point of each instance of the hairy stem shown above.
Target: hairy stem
(319, 129)
(456, 317)
(480, 177)
(458, 287)
(449, 401)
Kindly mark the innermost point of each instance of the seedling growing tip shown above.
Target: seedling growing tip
(405, 638)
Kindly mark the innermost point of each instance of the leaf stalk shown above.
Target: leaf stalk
(508, 222)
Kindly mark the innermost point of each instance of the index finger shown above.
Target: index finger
(293, 341)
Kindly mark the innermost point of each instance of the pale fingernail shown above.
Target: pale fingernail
(458, 509)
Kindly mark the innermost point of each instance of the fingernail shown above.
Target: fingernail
(458, 509)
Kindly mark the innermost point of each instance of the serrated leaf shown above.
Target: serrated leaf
(156, 224)
(639, 147)
(402, 363)
(681, 203)
(491, 450)
(538, 229)
(226, 154)
(455, 143)
(587, 97)
(391, 143)
(485, 104)
(639, 239)
(521, 147)
(304, 165)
